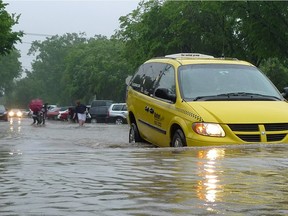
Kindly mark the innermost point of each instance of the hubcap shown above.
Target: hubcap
(178, 143)
(132, 136)
(118, 121)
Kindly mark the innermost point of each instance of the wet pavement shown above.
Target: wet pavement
(63, 169)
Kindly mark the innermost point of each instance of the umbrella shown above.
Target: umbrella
(36, 105)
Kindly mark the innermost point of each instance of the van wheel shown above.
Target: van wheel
(179, 139)
(119, 121)
(134, 135)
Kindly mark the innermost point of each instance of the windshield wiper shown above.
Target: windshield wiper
(248, 94)
(237, 96)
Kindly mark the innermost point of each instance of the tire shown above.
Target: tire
(119, 121)
(179, 139)
(134, 135)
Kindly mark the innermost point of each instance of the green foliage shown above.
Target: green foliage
(97, 69)
(10, 68)
(49, 66)
(244, 29)
(71, 67)
(7, 37)
(277, 71)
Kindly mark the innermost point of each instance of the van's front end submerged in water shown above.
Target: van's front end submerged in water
(239, 122)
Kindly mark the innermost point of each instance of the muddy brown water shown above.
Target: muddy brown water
(61, 169)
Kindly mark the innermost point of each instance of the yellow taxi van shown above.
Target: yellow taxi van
(192, 99)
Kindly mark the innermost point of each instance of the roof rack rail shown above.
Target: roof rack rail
(189, 55)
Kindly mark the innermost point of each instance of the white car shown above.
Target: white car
(117, 113)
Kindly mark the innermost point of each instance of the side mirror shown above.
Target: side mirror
(285, 93)
(165, 94)
(128, 79)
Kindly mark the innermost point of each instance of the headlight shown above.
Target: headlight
(11, 113)
(208, 129)
(19, 114)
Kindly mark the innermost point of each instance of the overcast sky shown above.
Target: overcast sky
(42, 18)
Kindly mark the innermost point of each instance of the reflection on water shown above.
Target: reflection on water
(15, 124)
(208, 188)
(64, 170)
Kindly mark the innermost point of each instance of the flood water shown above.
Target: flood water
(61, 169)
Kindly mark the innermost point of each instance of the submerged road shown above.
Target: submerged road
(62, 169)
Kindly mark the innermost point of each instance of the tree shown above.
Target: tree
(49, 66)
(97, 69)
(246, 29)
(9, 64)
(277, 71)
(72, 67)
(7, 37)
(10, 68)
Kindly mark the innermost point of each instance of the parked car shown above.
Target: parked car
(26, 113)
(117, 113)
(63, 115)
(66, 114)
(3, 113)
(51, 106)
(15, 113)
(99, 110)
(54, 112)
(69, 113)
(190, 99)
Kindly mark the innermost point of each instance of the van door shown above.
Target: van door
(163, 108)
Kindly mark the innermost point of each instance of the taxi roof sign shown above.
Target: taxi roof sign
(189, 55)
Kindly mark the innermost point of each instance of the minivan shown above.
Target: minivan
(192, 99)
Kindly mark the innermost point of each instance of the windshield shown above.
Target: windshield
(200, 81)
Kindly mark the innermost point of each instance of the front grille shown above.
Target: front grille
(255, 133)
(275, 137)
(250, 138)
(276, 127)
(244, 127)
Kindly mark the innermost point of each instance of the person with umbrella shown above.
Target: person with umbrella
(36, 106)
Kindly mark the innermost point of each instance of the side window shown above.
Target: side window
(136, 80)
(117, 107)
(147, 78)
(167, 79)
(124, 108)
(150, 79)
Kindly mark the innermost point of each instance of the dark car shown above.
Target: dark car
(99, 110)
(3, 113)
